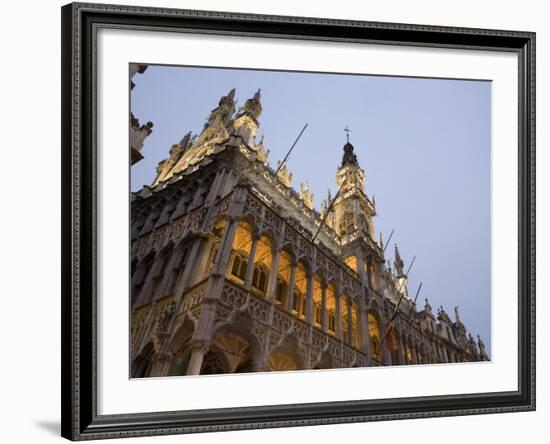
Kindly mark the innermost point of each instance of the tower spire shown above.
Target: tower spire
(347, 130)
(350, 158)
(398, 262)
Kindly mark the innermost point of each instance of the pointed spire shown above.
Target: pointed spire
(349, 158)
(427, 306)
(306, 195)
(221, 115)
(252, 106)
(457, 315)
(398, 262)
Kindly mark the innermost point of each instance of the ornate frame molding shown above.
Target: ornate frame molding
(80, 22)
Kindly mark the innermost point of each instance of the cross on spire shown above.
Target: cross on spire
(347, 130)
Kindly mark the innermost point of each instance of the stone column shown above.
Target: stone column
(350, 318)
(250, 267)
(273, 274)
(338, 316)
(364, 328)
(413, 353)
(260, 365)
(226, 245)
(309, 301)
(290, 295)
(324, 320)
(197, 356)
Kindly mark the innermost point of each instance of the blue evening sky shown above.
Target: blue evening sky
(425, 146)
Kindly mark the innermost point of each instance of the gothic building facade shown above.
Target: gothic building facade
(234, 271)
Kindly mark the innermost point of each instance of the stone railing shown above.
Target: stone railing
(234, 298)
(194, 296)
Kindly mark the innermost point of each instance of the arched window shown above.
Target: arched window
(283, 279)
(317, 301)
(281, 292)
(239, 266)
(242, 243)
(300, 289)
(374, 334)
(262, 265)
(372, 274)
(259, 278)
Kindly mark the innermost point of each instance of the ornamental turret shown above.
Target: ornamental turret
(246, 122)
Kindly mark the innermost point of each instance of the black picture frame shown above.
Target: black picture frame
(79, 396)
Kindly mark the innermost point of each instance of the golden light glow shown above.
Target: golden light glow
(331, 309)
(344, 314)
(351, 262)
(300, 289)
(317, 301)
(354, 325)
(281, 361)
(374, 334)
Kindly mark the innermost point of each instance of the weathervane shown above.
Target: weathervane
(347, 130)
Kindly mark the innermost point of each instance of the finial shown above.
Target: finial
(347, 130)
(398, 262)
(457, 316)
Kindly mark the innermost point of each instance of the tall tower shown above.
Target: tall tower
(353, 220)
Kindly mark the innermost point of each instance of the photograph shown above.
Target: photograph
(306, 221)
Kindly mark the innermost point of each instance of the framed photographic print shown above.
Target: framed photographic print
(277, 221)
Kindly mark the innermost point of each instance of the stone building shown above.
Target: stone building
(234, 271)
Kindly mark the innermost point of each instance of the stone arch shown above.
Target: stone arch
(286, 356)
(142, 364)
(239, 346)
(325, 361)
(375, 335)
(283, 277)
(263, 261)
(182, 336)
(301, 278)
(271, 236)
(214, 362)
(240, 251)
